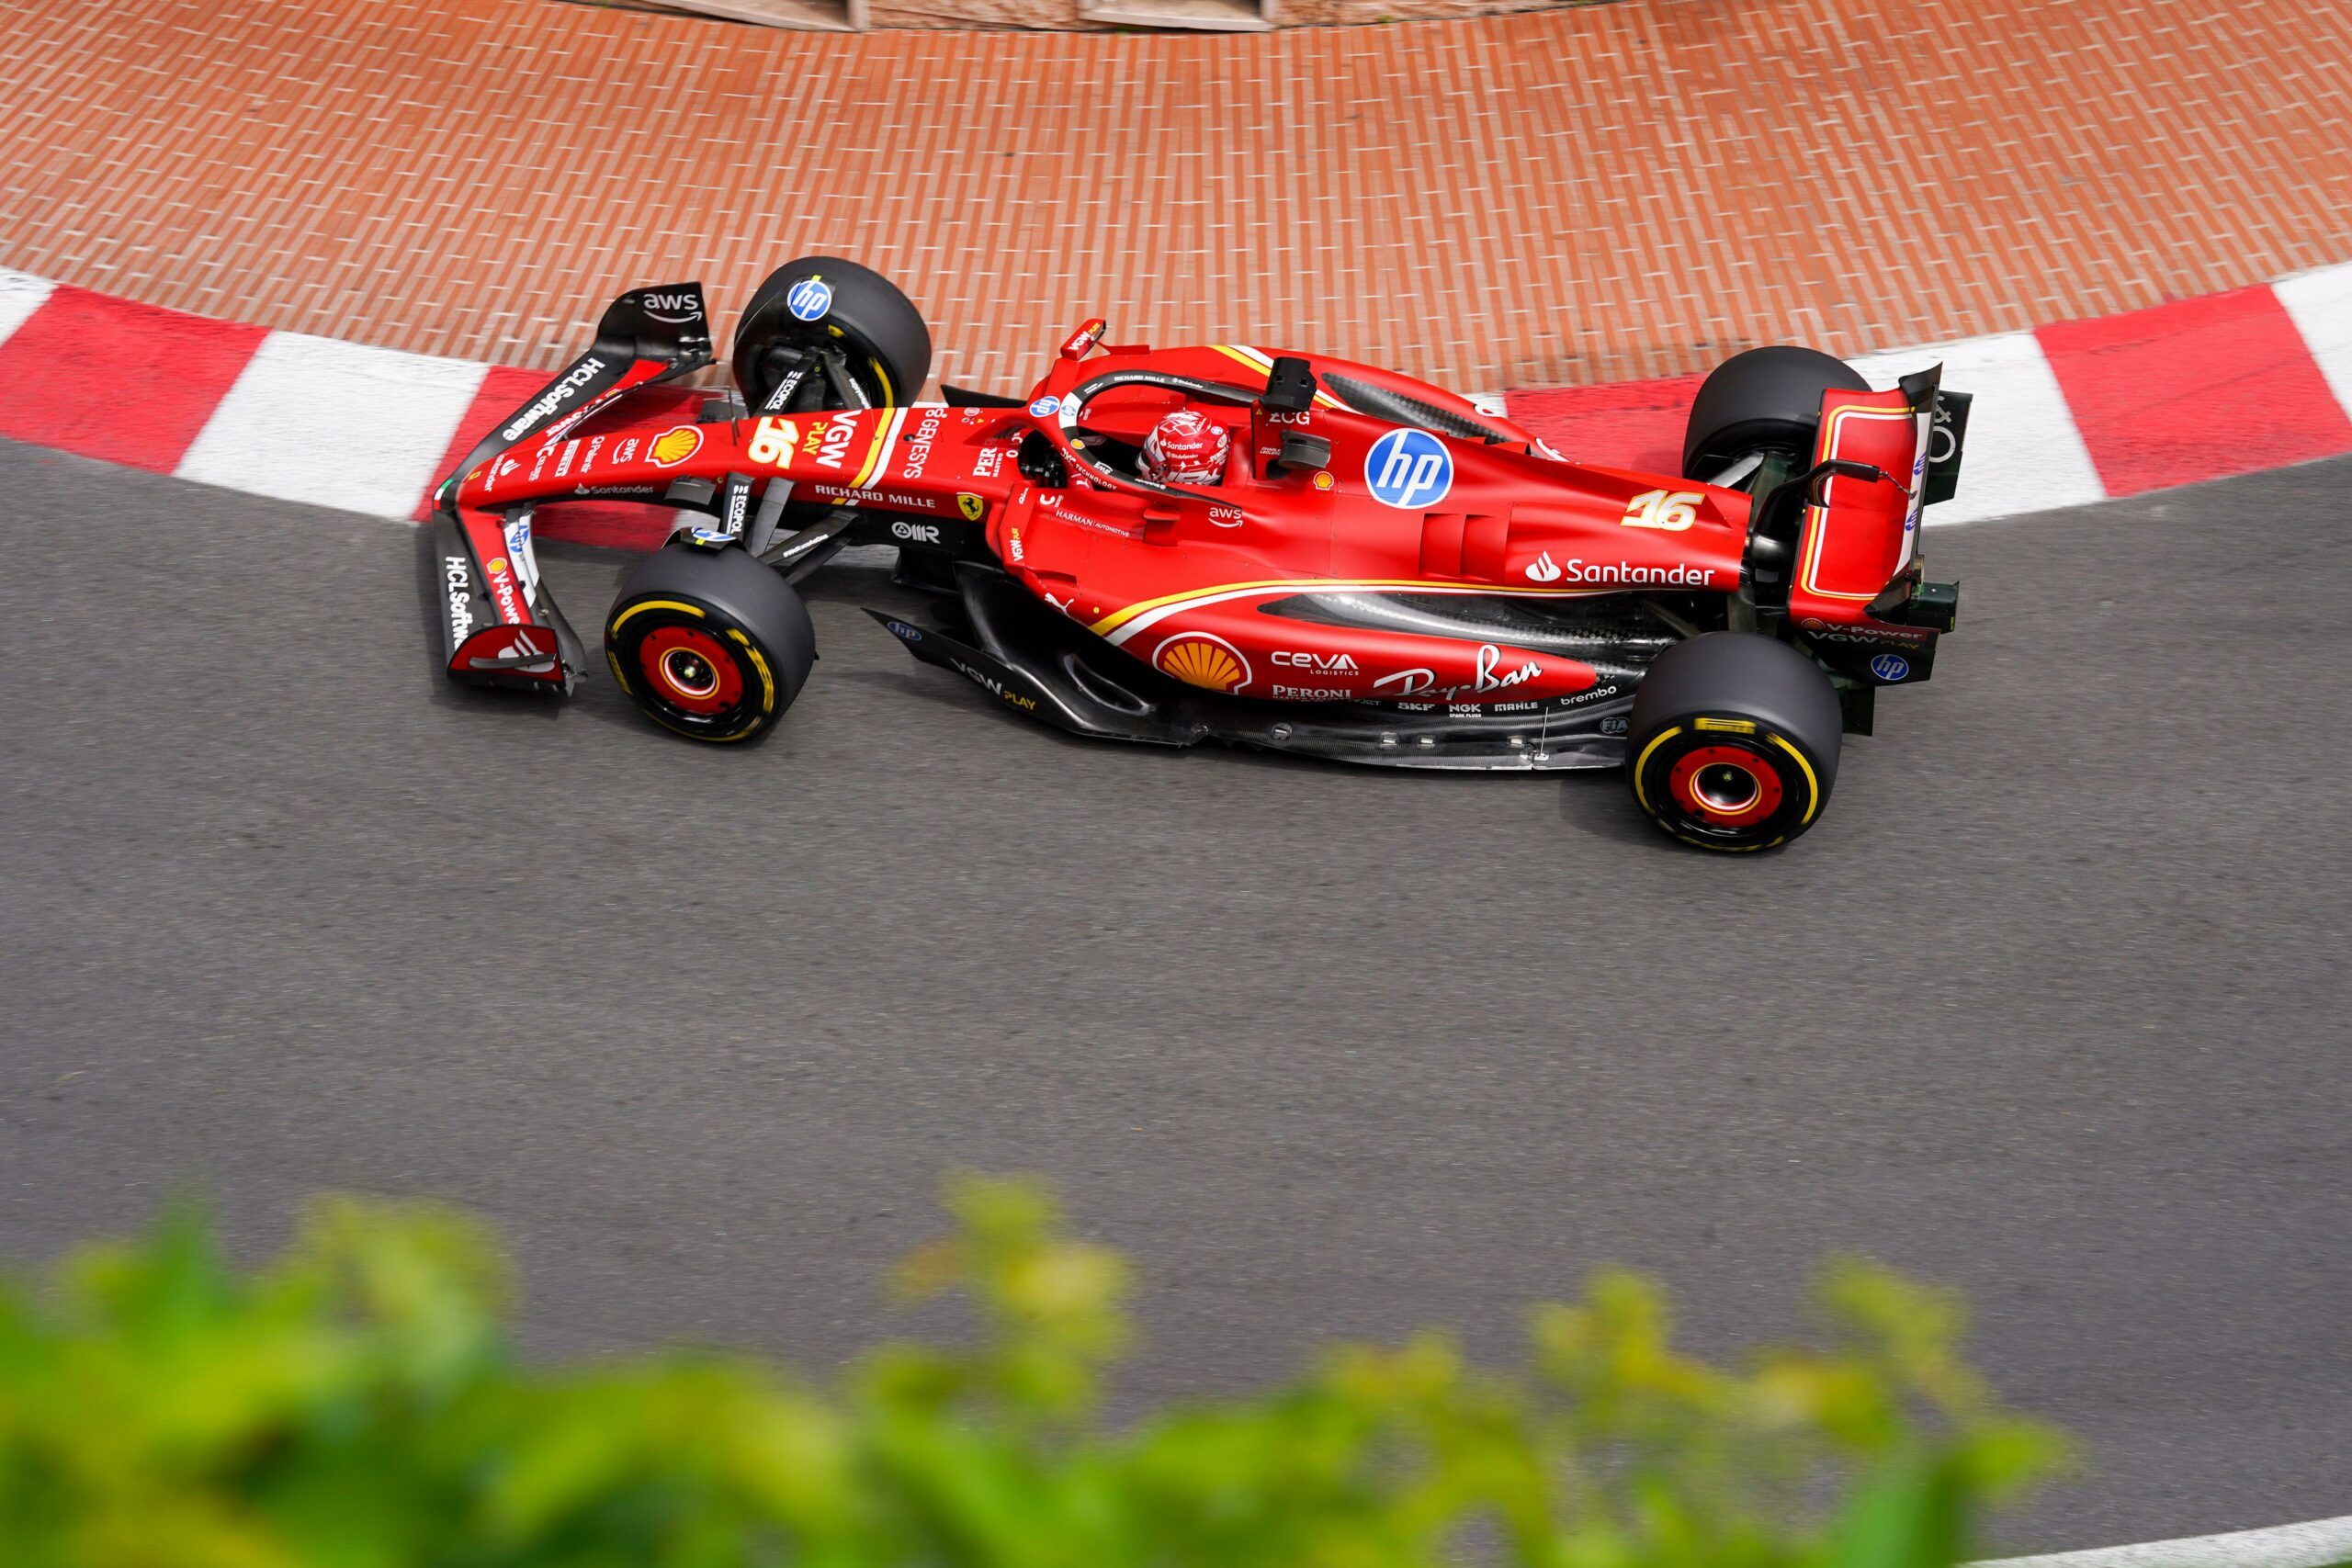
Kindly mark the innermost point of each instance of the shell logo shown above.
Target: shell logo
(674, 445)
(1198, 660)
(496, 566)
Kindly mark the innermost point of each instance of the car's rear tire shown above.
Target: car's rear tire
(879, 331)
(1766, 400)
(709, 644)
(1733, 743)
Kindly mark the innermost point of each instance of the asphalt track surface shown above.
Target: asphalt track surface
(2053, 1004)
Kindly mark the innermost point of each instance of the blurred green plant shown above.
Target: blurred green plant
(356, 1403)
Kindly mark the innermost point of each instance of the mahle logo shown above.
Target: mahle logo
(1409, 467)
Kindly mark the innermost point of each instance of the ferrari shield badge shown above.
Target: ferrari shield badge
(970, 505)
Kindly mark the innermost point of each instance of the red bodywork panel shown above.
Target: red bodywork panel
(1864, 532)
(1183, 582)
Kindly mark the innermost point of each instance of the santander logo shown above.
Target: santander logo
(1543, 569)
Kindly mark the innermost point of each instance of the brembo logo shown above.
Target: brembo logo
(554, 397)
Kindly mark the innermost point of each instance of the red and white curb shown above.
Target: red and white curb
(2321, 1543)
(2067, 414)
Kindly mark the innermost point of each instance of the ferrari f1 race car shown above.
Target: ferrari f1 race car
(1370, 570)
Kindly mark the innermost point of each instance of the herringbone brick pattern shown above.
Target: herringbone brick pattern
(1596, 194)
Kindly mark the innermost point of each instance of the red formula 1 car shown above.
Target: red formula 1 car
(1372, 570)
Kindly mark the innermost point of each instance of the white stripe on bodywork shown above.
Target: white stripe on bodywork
(2320, 304)
(2024, 452)
(1157, 613)
(20, 295)
(334, 424)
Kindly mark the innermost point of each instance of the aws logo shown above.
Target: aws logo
(675, 309)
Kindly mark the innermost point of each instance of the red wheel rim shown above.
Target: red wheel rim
(1725, 786)
(689, 670)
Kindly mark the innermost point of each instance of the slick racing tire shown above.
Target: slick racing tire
(1766, 400)
(709, 644)
(1733, 741)
(819, 302)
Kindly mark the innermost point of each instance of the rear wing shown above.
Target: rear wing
(1834, 556)
(646, 335)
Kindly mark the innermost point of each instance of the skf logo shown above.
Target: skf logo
(673, 446)
(970, 505)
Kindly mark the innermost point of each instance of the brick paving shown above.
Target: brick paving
(1590, 194)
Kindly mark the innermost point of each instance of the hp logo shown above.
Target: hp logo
(1409, 467)
(809, 299)
(1890, 667)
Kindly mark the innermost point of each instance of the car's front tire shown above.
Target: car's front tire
(709, 644)
(825, 302)
(1733, 741)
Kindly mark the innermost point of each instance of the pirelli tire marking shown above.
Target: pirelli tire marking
(695, 676)
(1726, 783)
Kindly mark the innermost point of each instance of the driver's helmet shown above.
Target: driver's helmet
(1186, 447)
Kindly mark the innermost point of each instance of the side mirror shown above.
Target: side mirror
(1302, 452)
(1840, 468)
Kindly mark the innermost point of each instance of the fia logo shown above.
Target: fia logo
(1409, 467)
(809, 299)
